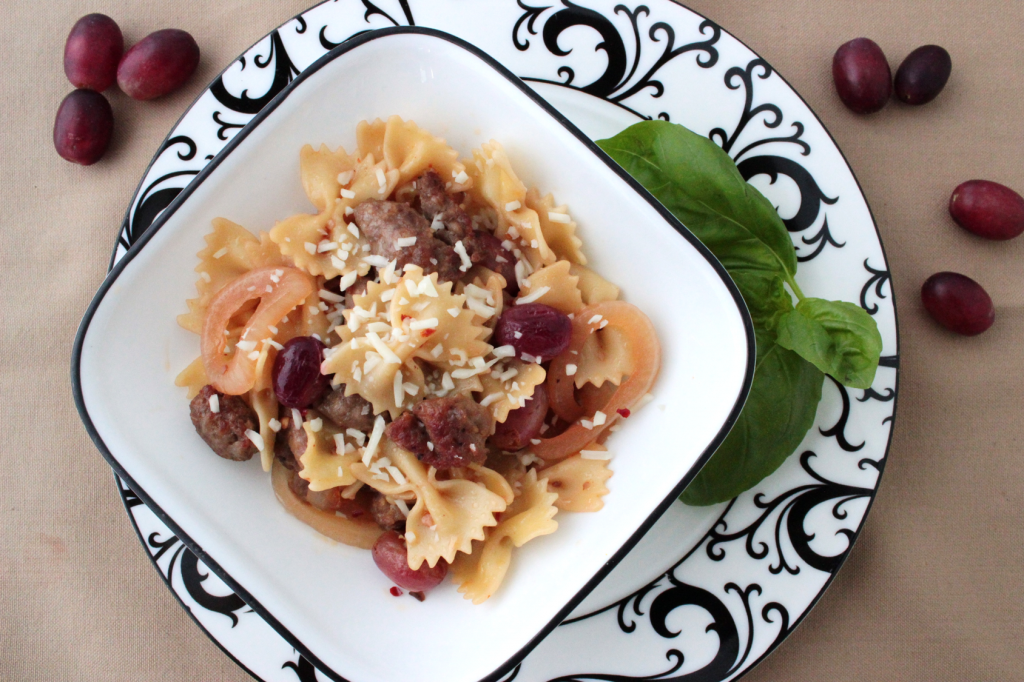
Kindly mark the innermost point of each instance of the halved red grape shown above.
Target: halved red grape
(958, 303)
(158, 64)
(923, 74)
(862, 75)
(296, 373)
(83, 128)
(534, 329)
(522, 424)
(391, 557)
(988, 209)
(92, 52)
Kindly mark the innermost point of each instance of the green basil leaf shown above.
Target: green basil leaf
(778, 414)
(700, 184)
(837, 337)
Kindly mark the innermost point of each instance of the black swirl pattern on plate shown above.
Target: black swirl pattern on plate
(877, 280)
(790, 510)
(615, 84)
(728, 658)
(192, 577)
(303, 669)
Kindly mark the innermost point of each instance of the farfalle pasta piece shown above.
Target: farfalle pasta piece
(264, 403)
(416, 324)
(411, 150)
(433, 314)
(488, 478)
(228, 254)
(294, 233)
(484, 297)
(558, 286)
(365, 371)
(531, 515)
(370, 138)
(593, 287)
(495, 184)
(447, 516)
(558, 228)
(509, 390)
(604, 357)
(193, 378)
(579, 481)
(324, 243)
(326, 463)
(322, 171)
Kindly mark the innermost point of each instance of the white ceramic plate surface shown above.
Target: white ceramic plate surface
(708, 592)
(131, 349)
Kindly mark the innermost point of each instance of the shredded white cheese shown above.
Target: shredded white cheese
(533, 295)
(256, 439)
(375, 436)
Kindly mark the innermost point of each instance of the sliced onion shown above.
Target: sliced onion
(360, 533)
(645, 353)
(237, 374)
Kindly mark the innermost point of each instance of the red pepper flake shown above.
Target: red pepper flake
(428, 332)
(623, 412)
(418, 596)
(396, 592)
(406, 317)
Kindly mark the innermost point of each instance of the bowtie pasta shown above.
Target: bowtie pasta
(425, 364)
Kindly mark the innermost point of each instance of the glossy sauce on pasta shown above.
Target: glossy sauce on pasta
(421, 272)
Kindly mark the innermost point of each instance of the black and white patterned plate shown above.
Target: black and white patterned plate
(709, 591)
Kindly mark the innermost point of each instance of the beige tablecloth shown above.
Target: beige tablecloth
(932, 590)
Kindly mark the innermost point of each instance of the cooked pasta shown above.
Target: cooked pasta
(377, 352)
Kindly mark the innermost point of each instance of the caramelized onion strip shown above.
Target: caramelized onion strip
(645, 355)
(279, 290)
(360, 533)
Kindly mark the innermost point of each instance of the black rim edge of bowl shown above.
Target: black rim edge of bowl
(895, 366)
(345, 47)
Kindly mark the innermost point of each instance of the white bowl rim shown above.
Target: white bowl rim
(671, 220)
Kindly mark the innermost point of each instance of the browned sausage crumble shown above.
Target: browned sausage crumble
(224, 430)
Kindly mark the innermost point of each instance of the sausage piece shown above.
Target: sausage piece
(383, 223)
(329, 500)
(481, 246)
(224, 430)
(436, 202)
(387, 515)
(458, 427)
(352, 412)
(408, 432)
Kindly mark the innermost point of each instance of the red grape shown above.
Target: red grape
(923, 74)
(84, 125)
(534, 329)
(958, 303)
(988, 209)
(391, 557)
(158, 64)
(296, 372)
(92, 52)
(522, 424)
(862, 76)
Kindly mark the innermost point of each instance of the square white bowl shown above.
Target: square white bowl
(329, 600)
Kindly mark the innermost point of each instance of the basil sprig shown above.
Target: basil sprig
(796, 344)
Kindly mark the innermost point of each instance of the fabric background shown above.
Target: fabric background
(932, 591)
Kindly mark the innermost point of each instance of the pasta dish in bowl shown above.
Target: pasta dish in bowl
(345, 462)
(477, 365)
